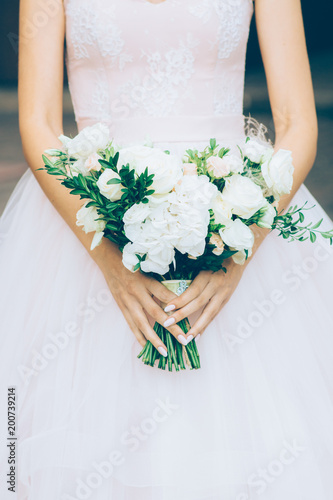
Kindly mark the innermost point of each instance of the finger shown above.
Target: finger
(157, 313)
(193, 291)
(141, 321)
(194, 305)
(160, 291)
(139, 336)
(208, 314)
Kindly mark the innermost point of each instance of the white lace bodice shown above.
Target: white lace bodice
(174, 68)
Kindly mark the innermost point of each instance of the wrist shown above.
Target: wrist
(106, 255)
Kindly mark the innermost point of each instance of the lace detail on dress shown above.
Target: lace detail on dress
(87, 29)
(202, 9)
(226, 101)
(231, 18)
(129, 59)
(165, 76)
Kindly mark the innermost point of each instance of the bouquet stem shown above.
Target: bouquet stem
(179, 355)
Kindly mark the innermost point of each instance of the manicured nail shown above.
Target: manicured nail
(182, 339)
(189, 338)
(197, 337)
(162, 351)
(168, 322)
(169, 308)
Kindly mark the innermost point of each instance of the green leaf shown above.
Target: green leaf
(47, 162)
(106, 164)
(212, 143)
(317, 224)
(313, 237)
(114, 181)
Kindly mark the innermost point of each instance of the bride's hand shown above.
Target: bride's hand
(208, 290)
(134, 294)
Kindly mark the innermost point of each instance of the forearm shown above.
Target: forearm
(36, 138)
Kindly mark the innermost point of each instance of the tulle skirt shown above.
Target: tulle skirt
(94, 422)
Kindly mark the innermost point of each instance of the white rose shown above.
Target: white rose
(268, 217)
(130, 259)
(218, 167)
(243, 196)
(222, 211)
(111, 191)
(240, 257)
(136, 214)
(92, 162)
(88, 141)
(256, 151)
(78, 167)
(235, 162)
(87, 218)
(278, 173)
(167, 169)
(238, 236)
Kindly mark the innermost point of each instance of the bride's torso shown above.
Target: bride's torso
(173, 70)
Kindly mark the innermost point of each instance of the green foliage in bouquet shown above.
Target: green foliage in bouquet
(255, 169)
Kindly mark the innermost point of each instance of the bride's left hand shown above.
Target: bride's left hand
(209, 290)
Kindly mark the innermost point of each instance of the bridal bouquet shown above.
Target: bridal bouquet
(173, 218)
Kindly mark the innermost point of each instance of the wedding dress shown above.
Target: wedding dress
(93, 421)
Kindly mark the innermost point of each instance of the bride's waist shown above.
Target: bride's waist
(174, 129)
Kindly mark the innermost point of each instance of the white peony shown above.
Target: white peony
(256, 151)
(167, 169)
(243, 196)
(158, 259)
(278, 173)
(194, 190)
(111, 191)
(222, 211)
(87, 142)
(267, 219)
(87, 218)
(137, 213)
(192, 228)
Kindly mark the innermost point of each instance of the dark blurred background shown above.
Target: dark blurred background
(318, 26)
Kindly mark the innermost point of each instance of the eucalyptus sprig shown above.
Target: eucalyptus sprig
(290, 226)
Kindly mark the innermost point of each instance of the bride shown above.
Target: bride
(92, 421)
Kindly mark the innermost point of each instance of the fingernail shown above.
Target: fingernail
(182, 339)
(162, 351)
(189, 338)
(197, 337)
(169, 322)
(169, 308)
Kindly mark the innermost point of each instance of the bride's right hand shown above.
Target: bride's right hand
(134, 294)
